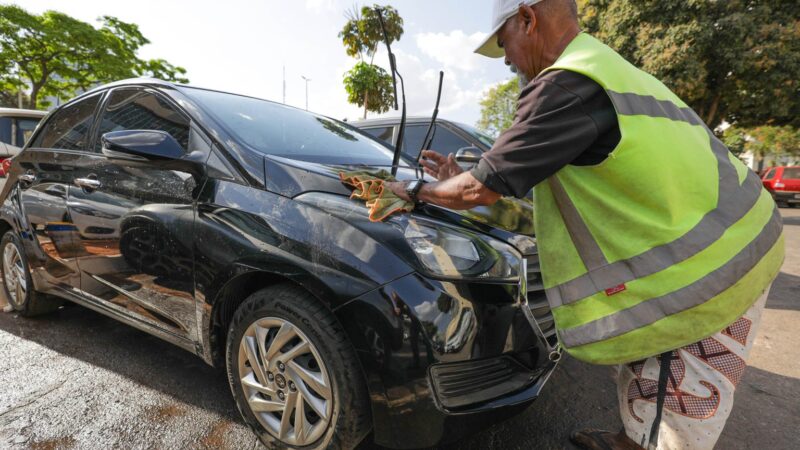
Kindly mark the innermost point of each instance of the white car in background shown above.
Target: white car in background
(16, 126)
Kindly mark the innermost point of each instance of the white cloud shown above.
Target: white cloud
(454, 49)
(321, 5)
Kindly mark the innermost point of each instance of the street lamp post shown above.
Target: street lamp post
(306, 80)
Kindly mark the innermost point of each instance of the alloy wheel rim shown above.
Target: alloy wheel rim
(285, 381)
(14, 274)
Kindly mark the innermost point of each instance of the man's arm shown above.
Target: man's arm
(462, 191)
(561, 116)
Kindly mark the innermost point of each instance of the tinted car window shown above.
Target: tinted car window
(792, 173)
(5, 129)
(770, 175)
(135, 109)
(446, 142)
(382, 133)
(25, 128)
(412, 140)
(275, 129)
(68, 128)
(484, 138)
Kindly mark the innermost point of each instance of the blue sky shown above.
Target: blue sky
(242, 45)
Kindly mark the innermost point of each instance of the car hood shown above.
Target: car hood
(290, 178)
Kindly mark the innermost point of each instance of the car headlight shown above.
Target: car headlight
(453, 253)
(440, 250)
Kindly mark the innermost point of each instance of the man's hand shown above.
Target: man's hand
(399, 189)
(439, 166)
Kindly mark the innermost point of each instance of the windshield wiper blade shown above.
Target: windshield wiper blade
(395, 75)
(426, 143)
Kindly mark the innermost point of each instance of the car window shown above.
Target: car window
(484, 138)
(25, 128)
(136, 109)
(274, 129)
(447, 142)
(382, 133)
(770, 174)
(412, 139)
(5, 129)
(68, 128)
(791, 173)
(444, 140)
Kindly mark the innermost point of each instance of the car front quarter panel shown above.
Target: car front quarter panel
(402, 329)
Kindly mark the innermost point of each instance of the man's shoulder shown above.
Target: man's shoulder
(563, 81)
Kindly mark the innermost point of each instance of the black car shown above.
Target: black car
(218, 222)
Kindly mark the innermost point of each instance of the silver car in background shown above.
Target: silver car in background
(16, 126)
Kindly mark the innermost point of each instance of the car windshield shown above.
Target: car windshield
(280, 130)
(477, 134)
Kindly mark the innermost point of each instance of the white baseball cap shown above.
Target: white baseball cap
(501, 12)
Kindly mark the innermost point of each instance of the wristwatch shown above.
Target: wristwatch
(413, 188)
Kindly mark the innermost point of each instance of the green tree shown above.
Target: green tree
(498, 107)
(735, 60)
(764, 140)
(55, 55)
(368, 85)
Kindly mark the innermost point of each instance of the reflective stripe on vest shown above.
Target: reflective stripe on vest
(734, 201)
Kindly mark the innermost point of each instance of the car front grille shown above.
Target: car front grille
(462, 384)
(537, 302)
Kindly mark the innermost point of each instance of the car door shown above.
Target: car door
(791, 179)
(135, 218)
(45, 172)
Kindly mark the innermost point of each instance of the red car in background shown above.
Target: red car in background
(784, 184)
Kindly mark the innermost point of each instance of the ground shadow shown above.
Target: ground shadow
(83, 334)
(785, 292)
(791, 221)
(579, 395)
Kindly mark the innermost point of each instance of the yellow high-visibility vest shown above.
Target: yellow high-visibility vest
(667, 241)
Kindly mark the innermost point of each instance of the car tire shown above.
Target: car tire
(325, 375)
(17, 282)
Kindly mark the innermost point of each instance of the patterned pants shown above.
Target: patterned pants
(699, 398)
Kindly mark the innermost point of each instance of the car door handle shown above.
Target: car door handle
(88, 183)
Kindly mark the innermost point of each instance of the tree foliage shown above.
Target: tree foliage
(763, 140)
(55, 55)
(735, 60)
(368, 85)
(498, 107)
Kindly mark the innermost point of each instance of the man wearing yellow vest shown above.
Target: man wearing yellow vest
(657, 246)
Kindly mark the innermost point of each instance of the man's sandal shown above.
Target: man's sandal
(593, 439)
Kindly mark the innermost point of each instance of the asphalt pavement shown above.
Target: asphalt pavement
(76, 379)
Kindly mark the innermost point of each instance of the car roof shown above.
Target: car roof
(389, 121)
(14, 112)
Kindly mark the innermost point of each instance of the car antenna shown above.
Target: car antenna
(426, 143)
(395, 75)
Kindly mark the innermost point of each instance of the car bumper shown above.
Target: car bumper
(786, 197)
(443, 359)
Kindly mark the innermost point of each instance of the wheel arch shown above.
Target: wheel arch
(233, 293)
(5, 227)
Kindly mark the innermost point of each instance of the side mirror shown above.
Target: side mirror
(141, 145)
(469, 155)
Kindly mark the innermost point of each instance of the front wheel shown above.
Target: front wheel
(294, 373)
(17, 282)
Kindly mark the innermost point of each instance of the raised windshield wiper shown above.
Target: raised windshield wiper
(395, 75)
(426, 143)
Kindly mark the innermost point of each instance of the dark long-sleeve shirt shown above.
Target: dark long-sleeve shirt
(563, 118)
